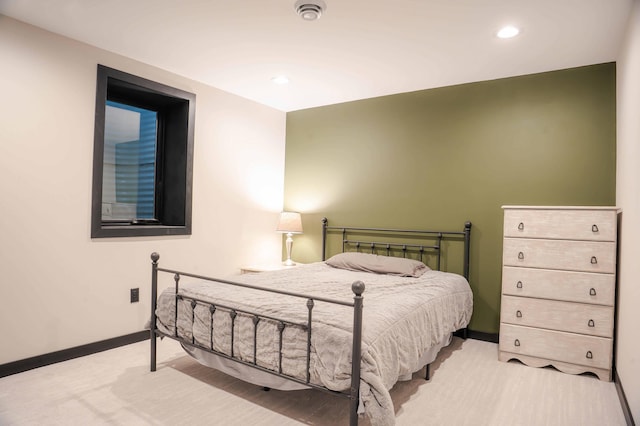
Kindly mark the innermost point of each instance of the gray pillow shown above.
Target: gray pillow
(366, 262)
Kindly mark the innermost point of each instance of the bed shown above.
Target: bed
(298, 328)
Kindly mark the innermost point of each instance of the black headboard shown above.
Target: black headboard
(398, 242)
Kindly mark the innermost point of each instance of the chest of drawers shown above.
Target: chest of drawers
(558, 287)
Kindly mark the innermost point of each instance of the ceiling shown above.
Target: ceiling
(358, 49)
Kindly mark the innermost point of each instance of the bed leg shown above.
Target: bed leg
(153, 351)
(154, 295)
(356, 353)
(462, 333)
(427, 374)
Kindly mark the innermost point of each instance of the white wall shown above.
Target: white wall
(59, 288)
(628, 198)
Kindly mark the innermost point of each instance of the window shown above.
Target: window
(129, 163)
(143, 157)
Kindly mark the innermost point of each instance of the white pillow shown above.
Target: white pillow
(366, 262)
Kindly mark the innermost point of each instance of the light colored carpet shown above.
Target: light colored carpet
(469, 386)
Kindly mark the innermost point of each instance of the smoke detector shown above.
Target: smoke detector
(310, 10)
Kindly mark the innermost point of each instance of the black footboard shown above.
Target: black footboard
(357, 288)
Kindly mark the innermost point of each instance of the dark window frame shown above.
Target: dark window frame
(174, 157)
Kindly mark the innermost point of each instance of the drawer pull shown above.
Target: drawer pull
(516, 343)
(589, 355)
(594, 228)
(518, 314)
(592, 292)
(594, 260)
(519, 284)
(521, 256)
(521, 226)
(591, 323)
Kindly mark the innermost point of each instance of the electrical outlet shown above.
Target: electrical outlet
(135, 295)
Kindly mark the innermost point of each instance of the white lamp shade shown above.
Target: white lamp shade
(290, 223)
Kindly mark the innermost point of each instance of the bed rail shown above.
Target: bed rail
(357, 287)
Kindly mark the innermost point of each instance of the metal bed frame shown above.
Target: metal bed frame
(349, 234)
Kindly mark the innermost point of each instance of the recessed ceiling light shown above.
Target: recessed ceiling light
(508, 32)
(280, 79)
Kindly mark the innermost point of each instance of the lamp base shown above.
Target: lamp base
(289, 242)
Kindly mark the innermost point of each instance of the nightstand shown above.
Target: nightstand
(253, 269)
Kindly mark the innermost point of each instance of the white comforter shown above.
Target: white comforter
(402, 318)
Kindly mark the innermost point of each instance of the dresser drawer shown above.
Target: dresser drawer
(581, 318)
(588, 256)
(593, 225)
(557, 345)
(570, 286)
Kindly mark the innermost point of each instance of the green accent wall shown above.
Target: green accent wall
(433, 159)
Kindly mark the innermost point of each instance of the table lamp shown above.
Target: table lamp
(290, 223)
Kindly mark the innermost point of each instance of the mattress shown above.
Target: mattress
(403, 319)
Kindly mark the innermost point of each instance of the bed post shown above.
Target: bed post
(467, 249)
(324, 238)
(356, 353)
(154, 295)
(467, 240)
